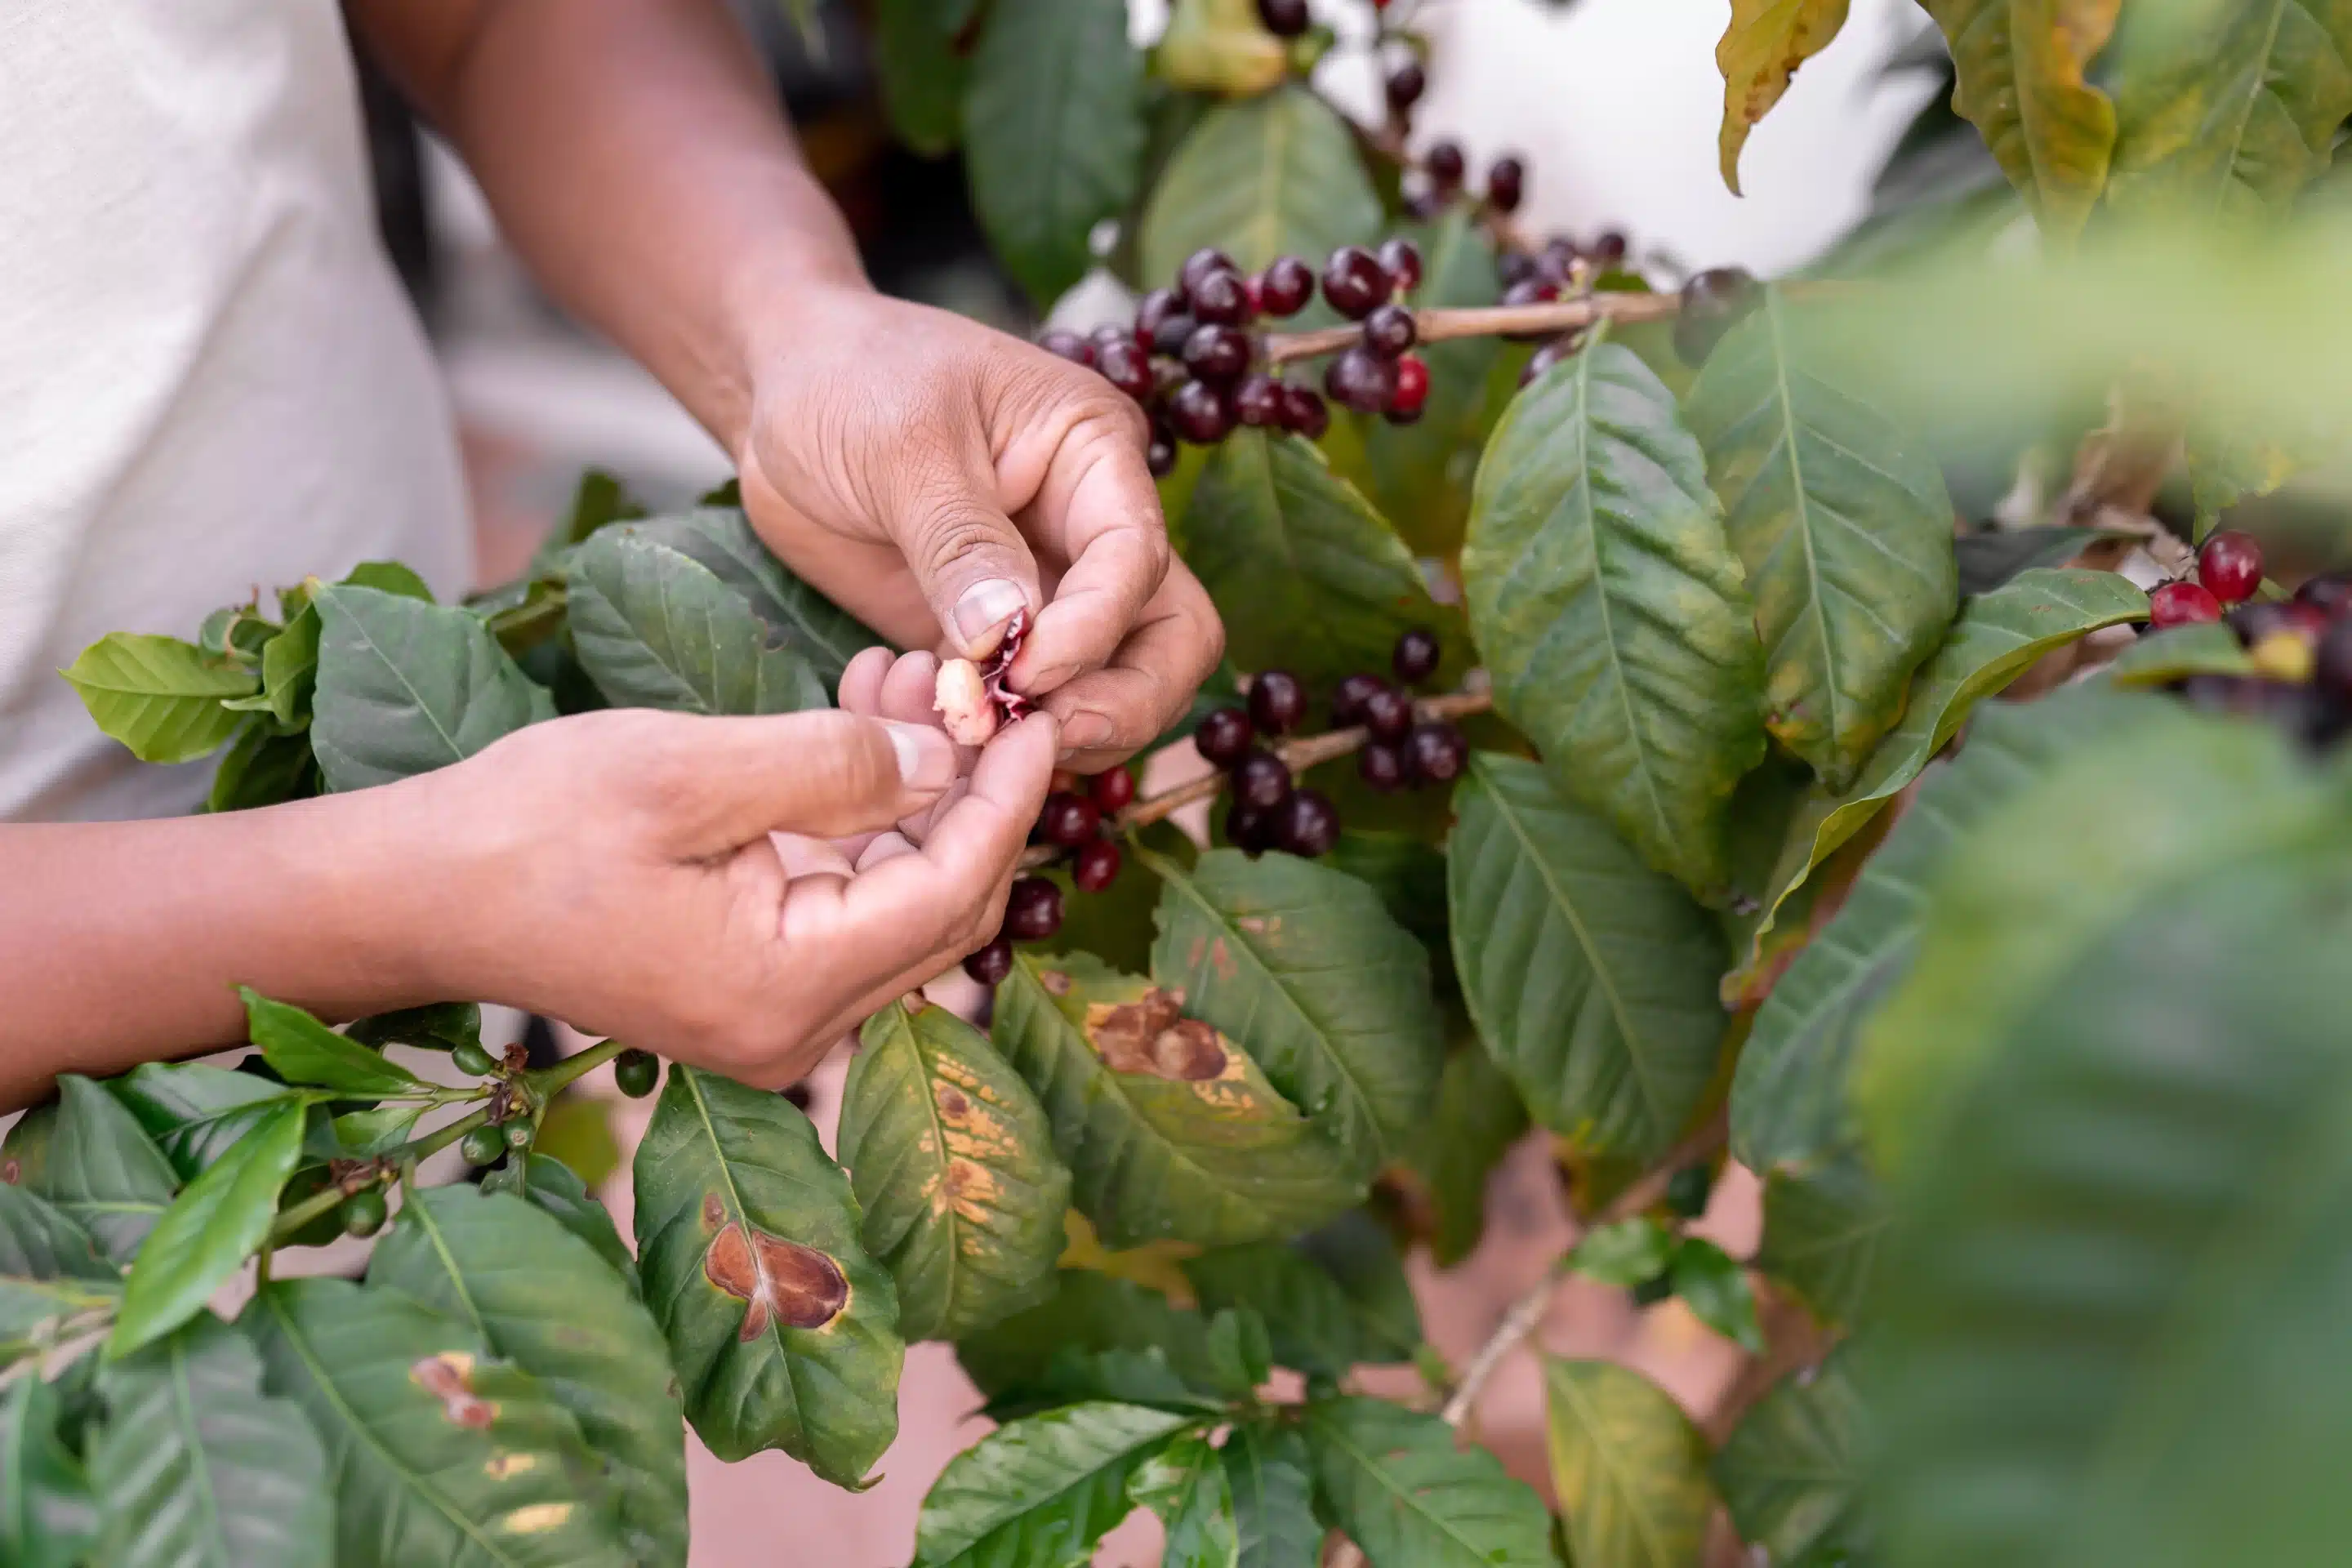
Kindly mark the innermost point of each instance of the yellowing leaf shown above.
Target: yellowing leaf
(2021, 66)
(1760, 51)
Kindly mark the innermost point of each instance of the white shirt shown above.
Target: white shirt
(210, 380)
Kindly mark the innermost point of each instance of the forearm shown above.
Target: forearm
(123, 942)
(635, 155)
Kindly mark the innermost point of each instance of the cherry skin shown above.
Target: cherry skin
(1382, 767)
(1260, 780)
(1415, 656)
(1199, 264)
(1609, 249)
(1507, 185)
(1224, 737)
(362, 1213)
(1097, 866)
(1436, 752)
(1389, 331)
(1388, 714)
(1125, 367)
(992, 963)
(1303, 411)
(1222, 297)
(1032, 912)
(1173, 333)
(1401, 257)
(1113, 790)
(1351, 697)
(1713, 302)
(2182, 603)
(1160, 456)
(471, 1059)
(1286, 286)
(1201, 414)
(1446, 164)
(1068, 820)
(2230, 564)
(1276, 703)
(2330, 593)
(1307, 824)
(1354, 281)
(1068, 345)
(1361, 379)
(1284, 18)
(1248, 829)
(1412, 387)
(1152, 311)
(2332, 669)
(1217, 354)
(482, 1146)
(1260, 403)
(635, 1072)
(1405, 86)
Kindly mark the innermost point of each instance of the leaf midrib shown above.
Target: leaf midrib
(952, 1219)
(1602, 1459)
(1802, 501)
(197, 1461)
(1404, 1497)
(457, 752)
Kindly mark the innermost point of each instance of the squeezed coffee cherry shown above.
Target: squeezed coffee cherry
(2182, 603)
(1389, 331)
(362, 1213)
(992, 963)
(1436, 752)
(1159, 455)
(1388, 714)
(472, 1061)
(1125, 367)
(1221, 297)
(1224, 737)
(1361, 379)
(1352, 694)
(1112, 790)
(1068, 820)
(1507, 185)
(482, 1146)
(1383, 767)
(1276, 703)
(1068, 345)
(1415, 658)
(1174, 332)
(2230, 564)
(1033, 910)
(1199, 264)
(1304, 411)
(1354, 281)
(1217, 354)
(1714, 302)
(1201, 414)
(1286, 286)
(1284, 18)
(1444, 163)
(1307, 824)
(635, 1072)
(1405, 86)
(1097, 866)
(1401, 258)
(1260, 403)
(1260, 780)
(1152, 311)
(1411, 388)
(1249, 829)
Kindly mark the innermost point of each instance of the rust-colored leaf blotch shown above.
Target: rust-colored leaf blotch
(1152, 1036)
(449, 1378)
(778, 1281)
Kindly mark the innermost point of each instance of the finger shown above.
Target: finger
(886, 847)
(910, 693)
(972, 563)
(1110, 713)
(862, 678)
(1099, 502)
(715, 783)
(802, 856)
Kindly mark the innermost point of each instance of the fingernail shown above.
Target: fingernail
(981, 615)
(927, 759)
(1085, 731)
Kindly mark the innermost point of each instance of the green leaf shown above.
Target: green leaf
(2200, 647)
(1478, 1117)
(1997, 638)
(783, 1331)
(1096, 1314)
(1840, 516)
(1052, 134)
(1790, 1472)
(1186, 1485)
(1716, 1289)
(1761, 49)
(2020, 67)
(290, 668)
(1605, 598)
(389, 577)
(1361, 1256)
(2118, 1304)
(496, 1264)
(952, 1160)
(1592, 979)
(1824, 1230)
(159, 695)
(1991, 557)
(209, 1231)
(195, 1468)
(1169, 1130)
(406, 687)
(1628, 1467)
(1116, 924)
(554, 1187)
(1315, 1326)
(2226, 108)
(1039, 1493)
(1219, 47)
(1267, 1469)
(1268, 176)
(1308, 576)
(262, 768)
(438, 1455)
(305, 1051)
(919, 56)
(1305, 967)
(50, 1273)
(435, 1026)
(1399, 1487)
(722, 538)
(655, 628)
(47, 1517)
(101, 1170)
(1628, 1253)
(194, 1114)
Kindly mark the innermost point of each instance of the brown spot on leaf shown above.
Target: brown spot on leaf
(714, 1212)
(449, 1378)
(502, 1466)
(778, 1281)
(1152, 1036)
(1220, 960)
(952, 1101)
(1056, 983)
(9, 1171)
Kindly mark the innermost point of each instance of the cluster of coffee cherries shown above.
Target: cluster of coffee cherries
(2301, 647)
(1270, 810)
(1075, 819)
(1191, 361)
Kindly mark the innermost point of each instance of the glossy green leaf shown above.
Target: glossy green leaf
(722, 538)
(1094, 1314)
(1592, 979)
(1840, 516)
(50, 1276)
(1267, 176)
(1791, 1472)
(305, 1051)
(2021, 65)
(389, 577)
(952, 1160)
(1039, 1493)
(1052, 134)
(1394, 1480)
(1714, 1288)
(655, 628)
(1627, 1465)
(1611, 610)
(195, 1113)
(1268, 1470)
(1169, 1130)
(438, 1454)
(1479, 1116)
(1314, 1325)
(554, 1187)
(1116, 924)
(217, 1222)
(1186, 1485)
(499, 1265)
(783, 1331)
(194, 1466)
(1761, 49)
(920, 54)
(2226, 108)
(261, 768)
(406, 687)
(1824, 1231)
(101, 1171)
(1308, 576)
(47, 1517)
(435, 1027)
(1304, 966)
(290, 668)
(1997, 638)
(2200, 647)
(1628, 1253)
(1361, 1257)
(159, 695)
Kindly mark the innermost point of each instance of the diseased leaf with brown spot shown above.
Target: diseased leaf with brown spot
(953, 1161)
(1760, 51)
(719, 1157)
(1156, 1155)
(2020, 67)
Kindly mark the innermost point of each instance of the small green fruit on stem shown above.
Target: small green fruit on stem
(363, 1212)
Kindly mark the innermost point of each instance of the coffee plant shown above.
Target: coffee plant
(1609, 753)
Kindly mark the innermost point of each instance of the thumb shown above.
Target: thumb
(972, 563)
(719, 783)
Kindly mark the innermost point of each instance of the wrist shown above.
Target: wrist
(773, 306)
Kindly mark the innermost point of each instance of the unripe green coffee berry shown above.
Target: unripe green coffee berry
(362, 1213)
(519, 1134)
(472, 1061)
(636, 1072)
(482, 1146)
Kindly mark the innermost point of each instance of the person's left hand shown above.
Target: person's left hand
(929, 474)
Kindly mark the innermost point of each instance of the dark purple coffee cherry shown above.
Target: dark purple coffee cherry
(1260, 401)
(1125, 367)
(1286, 286)
(1152, 311)
(1405, 86)
(1276, 703)
(1201, 414)
(992, 963)
(1361, 379)
(1284, 18)
(1714, 302)
(1401, 257)
(1558, 260)
(1354, 281)
(1113, 790)
(1553, 352)
(1388, 714)
(1217, 354)
(1349, 700)
(1260, 780)
(1609, 250)
(1199, 264)
(1436, 752)
(1307, 825)
(1224, 737)
(1174, 333)
(1507, 185)
(1389, 331)
(1221, 297)
(1303, 411)
(2330, 593)
(1444, 163)
(1415, 658)
(1160, 454)
(1064, 344)
(1069, 819)
(1383, 767)
(2331, 671)
(1097, 866)
(1513, 268)
(1032, 912)
(1248, 829)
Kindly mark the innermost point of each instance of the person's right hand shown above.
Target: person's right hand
(621, 876)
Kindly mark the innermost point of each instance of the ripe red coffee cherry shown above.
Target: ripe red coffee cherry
(1260, 401)
(1224, 737)
(1217, 354)
(1199, 264)
(1361, 379)
(1260, 780)
(1068, 820)
(1415, 658)
(1444, 163)
(1304, 411)
(2182, 603)
(2230, 564)
(1067, 345)
(1713, 302)
(1032, 912)
(992, 963)
(1125, 367)
(1349, 702)
(1389, 331)
(1388, 714)
(1284, 18)
(1412, 387)
(1383, 767)
(1307, 824)
(1221, 297)
(1152, 311)
(1354, 281)
(1097, 866)
(1286, 286)
(1112, 790)
(1276, 703)
(1401, 258)
(1201, 414)
(1436, 752)
(1507, 185)
(1248, 829)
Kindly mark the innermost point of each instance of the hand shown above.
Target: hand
(662, 878)
(928, 473)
